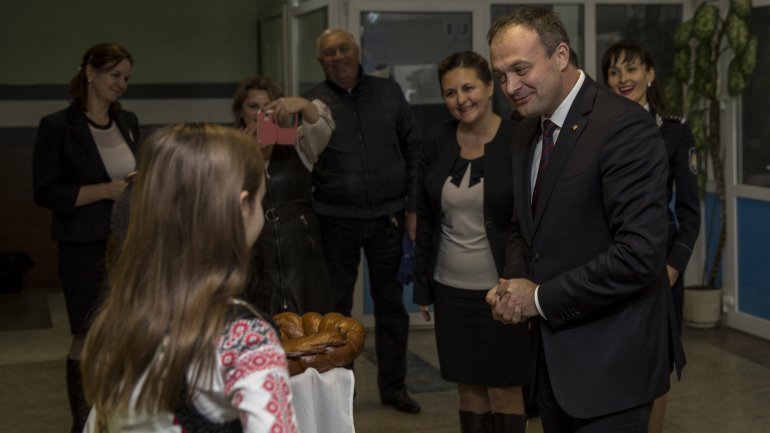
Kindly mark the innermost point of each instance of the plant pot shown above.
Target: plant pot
(702, 307)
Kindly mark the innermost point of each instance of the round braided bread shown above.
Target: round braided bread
(321, 342)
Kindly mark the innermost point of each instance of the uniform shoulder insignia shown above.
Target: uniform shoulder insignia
(677, 119)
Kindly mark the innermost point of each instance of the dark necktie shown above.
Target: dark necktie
(545, 157)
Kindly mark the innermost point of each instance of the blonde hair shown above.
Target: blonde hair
(184, 258)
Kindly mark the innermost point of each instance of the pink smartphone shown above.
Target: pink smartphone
(266, 129)
(269, 132)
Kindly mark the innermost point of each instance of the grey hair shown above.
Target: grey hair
(330, 31)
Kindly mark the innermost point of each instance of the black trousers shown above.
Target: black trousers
(380, 239)
(556, 420)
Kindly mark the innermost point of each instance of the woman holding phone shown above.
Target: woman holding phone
(291, 272)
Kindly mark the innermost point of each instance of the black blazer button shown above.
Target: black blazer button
(535, 257)
(488, 224)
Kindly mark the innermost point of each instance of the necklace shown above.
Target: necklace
(98, 126)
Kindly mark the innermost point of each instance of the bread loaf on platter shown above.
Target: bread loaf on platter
(321, 342)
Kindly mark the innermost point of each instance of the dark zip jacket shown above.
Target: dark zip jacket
(368, 169)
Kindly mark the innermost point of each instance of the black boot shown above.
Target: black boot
(78, 406)
(509, 423)
(471, 422)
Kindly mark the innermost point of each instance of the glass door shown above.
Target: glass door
(747, 275)
(405, 41)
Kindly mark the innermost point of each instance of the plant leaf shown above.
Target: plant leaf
(736, 80)
(741, 8)
(737, 32)
(705, 22)
(682, 35)
(749, 57)
(682, 64)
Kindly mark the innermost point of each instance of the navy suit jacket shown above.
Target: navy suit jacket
(596, 245)
(66, 158)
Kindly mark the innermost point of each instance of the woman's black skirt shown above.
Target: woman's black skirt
(474, 348)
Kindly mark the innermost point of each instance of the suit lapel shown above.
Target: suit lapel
(525, 140)
(571, 130)
(82, 135)
(445, 159)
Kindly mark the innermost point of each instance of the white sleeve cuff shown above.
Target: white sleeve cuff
(537, 303)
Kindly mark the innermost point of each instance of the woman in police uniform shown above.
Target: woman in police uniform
(629, 71)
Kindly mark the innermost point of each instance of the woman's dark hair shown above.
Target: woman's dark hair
(253, 82)
(627, 52)
(466, 59)
(101, 57)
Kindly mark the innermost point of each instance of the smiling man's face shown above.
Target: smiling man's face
(530, 79)
(340, 58)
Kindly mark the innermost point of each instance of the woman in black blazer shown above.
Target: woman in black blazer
(629, 71)
(82, 156)
(464, 210)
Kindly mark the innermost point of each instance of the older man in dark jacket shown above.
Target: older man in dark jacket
(364, 197)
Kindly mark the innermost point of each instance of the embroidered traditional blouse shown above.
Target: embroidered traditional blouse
(251, 383)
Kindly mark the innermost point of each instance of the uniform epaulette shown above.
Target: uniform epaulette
(670, 118)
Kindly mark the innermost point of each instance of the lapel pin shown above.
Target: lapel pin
(574, 128)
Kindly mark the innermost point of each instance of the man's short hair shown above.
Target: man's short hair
(545, 22)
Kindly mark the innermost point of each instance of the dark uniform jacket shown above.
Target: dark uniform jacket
(684, 219)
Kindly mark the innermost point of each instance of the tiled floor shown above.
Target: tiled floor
(725, 389)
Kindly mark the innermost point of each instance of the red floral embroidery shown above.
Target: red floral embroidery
(279, 404)
(228, 358)
(249, 345)
(252, 362)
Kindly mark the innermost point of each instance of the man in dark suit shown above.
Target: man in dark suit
(589, 237)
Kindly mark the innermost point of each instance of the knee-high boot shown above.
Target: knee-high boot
(509, 423)
(78, 406)
(471, 422)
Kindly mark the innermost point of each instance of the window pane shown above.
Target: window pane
(572, 17)
(650, 25)
(408, 46)
(309, 27)
(755, 129)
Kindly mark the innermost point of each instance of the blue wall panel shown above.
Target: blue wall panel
(754, 257)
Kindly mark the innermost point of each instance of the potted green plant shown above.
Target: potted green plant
(703, 44)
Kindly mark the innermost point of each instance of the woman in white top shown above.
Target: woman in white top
(82, 156)
(173, 349)
(464, 210)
